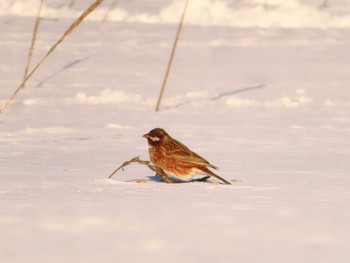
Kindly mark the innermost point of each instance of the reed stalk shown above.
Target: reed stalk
(171, 56)
(32, 44)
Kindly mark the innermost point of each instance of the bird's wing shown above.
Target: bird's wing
(181, 152)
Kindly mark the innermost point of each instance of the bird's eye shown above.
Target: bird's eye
(155, 139)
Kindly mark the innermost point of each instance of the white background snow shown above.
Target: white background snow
(263, 93)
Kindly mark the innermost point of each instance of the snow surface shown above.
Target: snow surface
(263, 94)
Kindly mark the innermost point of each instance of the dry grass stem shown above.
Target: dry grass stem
(31, 48)
(109, 10)
(156, 169)
(171, 56)
(73, 26)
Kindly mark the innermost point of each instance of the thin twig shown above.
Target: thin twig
(154, 168)
(35, 31)
(171, 57)
(74, 25)
(109, 10)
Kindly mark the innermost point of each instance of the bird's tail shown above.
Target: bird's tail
(217, 176)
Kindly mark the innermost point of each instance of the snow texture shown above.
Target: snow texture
(263, 93)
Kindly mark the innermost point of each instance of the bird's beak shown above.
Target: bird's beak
(145, 135)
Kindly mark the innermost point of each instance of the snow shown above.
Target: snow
(262, 94)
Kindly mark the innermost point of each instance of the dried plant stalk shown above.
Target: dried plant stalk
(109, 10)
(73, 26)
(171, 56)
(32, 44)
(156, 169)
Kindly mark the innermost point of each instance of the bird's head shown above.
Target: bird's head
(156, 136)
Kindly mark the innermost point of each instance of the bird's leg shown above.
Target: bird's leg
(159, 171)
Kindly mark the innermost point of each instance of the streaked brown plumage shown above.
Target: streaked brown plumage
(176, 159)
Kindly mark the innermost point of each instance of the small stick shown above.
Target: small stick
(35, 31)
(156, 169)
(171, 57)
(73, 26)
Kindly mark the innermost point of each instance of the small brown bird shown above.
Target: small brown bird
(175, 159)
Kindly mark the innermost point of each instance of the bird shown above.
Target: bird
(176, 159)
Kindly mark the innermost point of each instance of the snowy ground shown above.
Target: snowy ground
(268, 102)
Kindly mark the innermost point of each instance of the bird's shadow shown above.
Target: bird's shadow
(155, 178)
(219, 96)
(158, 179)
